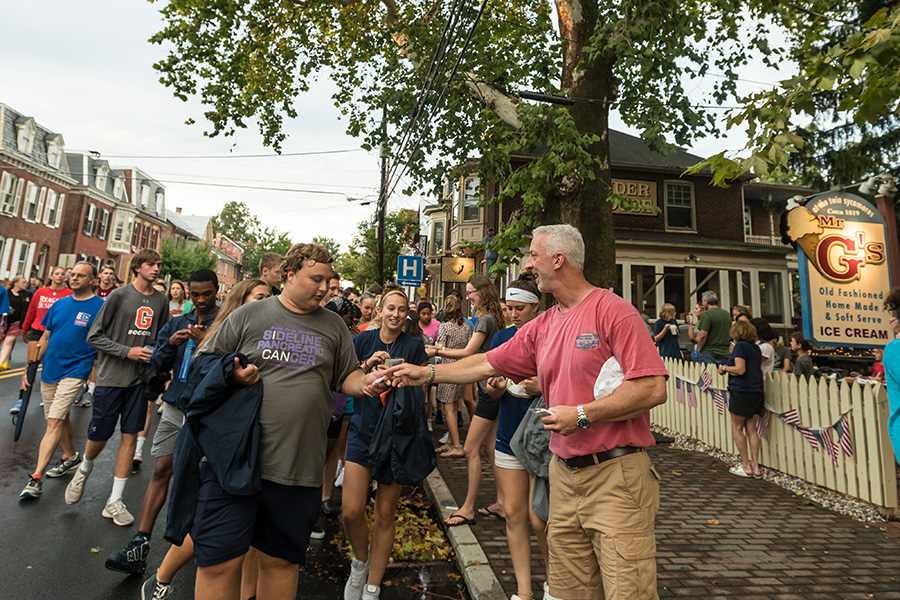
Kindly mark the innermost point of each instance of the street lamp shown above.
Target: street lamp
(883, 188)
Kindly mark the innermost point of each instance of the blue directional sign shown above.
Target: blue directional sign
(410, 270)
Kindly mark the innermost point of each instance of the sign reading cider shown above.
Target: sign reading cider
(844, 269)
(642, 192)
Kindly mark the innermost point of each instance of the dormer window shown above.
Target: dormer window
(119, 187)
(145, 195)
(54, 151)
(160, 203)
(102, 174)
(26, 133)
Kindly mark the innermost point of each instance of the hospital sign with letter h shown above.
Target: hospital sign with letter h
(409, 270)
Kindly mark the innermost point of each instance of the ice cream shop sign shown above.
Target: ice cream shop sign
(844, 272)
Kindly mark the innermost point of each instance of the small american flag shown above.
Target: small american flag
(810, 436)
(791, 417)
(828, 444)
(705, 380)
(691, 394)
(762, 425)
(679, 391)
(719, 400)
(843, 429)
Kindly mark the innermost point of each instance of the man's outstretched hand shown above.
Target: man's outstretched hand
(407, 375)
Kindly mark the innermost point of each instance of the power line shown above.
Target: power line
(216, 156)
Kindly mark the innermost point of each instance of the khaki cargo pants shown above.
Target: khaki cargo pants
(600, 532)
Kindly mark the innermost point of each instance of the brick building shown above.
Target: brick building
(692, 237)
(34, 189)
(229, 266)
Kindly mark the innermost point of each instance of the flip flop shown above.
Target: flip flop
(456, 515)
(487, 512)
(453, 453)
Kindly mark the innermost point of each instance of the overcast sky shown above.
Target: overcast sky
(84, 69)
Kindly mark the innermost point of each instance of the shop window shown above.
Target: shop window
(680, 206)
(771, 307)
(437, 237)
(470, 204)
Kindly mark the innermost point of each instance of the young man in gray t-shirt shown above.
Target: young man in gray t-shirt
(303, 353)
(124, 332)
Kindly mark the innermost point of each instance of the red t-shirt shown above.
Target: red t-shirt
(567, 350)
(103, 293)
(41, 302)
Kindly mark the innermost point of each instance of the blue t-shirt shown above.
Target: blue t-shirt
(752, 379)
(4, 301)
(513, 404)
(668, 345)
(69, 354)
(367, 409)
(891, 362)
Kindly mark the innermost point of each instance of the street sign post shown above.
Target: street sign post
(409, 270)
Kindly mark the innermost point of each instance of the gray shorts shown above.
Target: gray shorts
(170, 424)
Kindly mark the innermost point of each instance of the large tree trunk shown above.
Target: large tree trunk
(582, 201)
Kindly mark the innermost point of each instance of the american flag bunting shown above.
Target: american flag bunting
(719, 400)
(705, 380)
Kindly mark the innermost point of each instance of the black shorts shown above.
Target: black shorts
(487, 407)
(34, 335)
(746, 404)
(277, 521)
(109, 404)
(334, 430)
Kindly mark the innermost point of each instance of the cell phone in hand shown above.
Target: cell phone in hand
(393, 362)
(541, 412)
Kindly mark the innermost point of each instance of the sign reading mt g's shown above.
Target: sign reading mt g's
(844, 269)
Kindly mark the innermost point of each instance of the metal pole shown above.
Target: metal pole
(382, 200)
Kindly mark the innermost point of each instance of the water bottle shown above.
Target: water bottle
(189, 348)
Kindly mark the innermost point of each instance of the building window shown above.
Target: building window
(25, 137)
(160, 204)
(10, 190)
(30, 209)
(20, 259)
(51, 208)
(453, 197)
(90, 220)
(154, 238)
(42, 259)
(437, 237)
(145, 236)
(145, 196)
(771, 308)
(470, 206)
(680, 206)
(55, 152)
(136, 233)
(103, 225)
(748, 221)
(119, 187)
(100, 180)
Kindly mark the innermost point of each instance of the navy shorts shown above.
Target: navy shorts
(277, 521)
(112, 402)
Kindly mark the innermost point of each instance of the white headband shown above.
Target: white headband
(520, 295)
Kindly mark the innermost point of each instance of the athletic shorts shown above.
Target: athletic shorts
(487, 407)
(334, 429)
(277, 521)
(59, 397)
(111, 403)
(34, 335)
(507, 461)
(170, 424)
(746, 404)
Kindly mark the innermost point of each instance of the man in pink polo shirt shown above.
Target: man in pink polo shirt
(604, 493)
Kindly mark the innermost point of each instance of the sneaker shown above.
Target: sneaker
(16, 407)
(118, 513)
(79, 395)
(317, 532)
(88, 400)
(33, 490)
(154, 589)
(371, 592)
(439, 417)
(339, 480)
(65, 465)
(359, 571)
(444, 438)
(430, 425)
(132, 558)
(331, 509)
(547, 595)
(4, 367)
(75, 489)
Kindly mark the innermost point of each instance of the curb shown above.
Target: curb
(473, 563)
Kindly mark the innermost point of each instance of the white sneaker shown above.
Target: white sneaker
(356, 583)
(430, 425)
(339, 480)
(444, 438)
(371, 592)
(547, 595)
(118, 513)
(75, 489)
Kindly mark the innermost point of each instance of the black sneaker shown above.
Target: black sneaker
(439, 417)
(132, 559)
(331, 509)
(459, 421)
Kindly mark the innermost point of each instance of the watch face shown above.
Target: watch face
(584, 423)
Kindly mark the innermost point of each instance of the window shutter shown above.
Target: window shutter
(59, 209)
(42, 199)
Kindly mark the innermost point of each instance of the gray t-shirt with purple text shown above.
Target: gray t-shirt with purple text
(301, 358)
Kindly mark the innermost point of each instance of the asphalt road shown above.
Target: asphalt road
(51, 550)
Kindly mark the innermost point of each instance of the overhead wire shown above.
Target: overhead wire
(217, 156)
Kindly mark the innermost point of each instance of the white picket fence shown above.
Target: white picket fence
(869, 474)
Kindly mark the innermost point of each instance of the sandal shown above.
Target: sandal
(487, 511)
(456, 452)
(445, 448)
(462, 520)
(739, 471)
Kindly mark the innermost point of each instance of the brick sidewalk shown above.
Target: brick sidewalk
(767, 543)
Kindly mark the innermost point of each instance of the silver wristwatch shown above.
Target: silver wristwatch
(583, 421)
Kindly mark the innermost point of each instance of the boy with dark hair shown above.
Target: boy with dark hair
(168, 356)
(804, 364)
(123, 332)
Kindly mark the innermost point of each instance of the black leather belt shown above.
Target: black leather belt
(579, 462)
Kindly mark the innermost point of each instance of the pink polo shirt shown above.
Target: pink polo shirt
(567, 350)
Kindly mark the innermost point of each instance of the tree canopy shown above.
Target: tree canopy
(180, 262)
(358, 264)
(247, 61)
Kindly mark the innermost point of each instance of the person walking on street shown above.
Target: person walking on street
(123, 332)
(19, 298)
(107, 281)
(270, 271)
(604, 493)
(168, 355)
(712, 332)
(745, 386)
(68, 360)
(452, 334)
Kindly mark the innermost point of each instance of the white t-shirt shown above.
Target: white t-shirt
(768, 356)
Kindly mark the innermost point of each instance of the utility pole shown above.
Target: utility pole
(382, 199)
